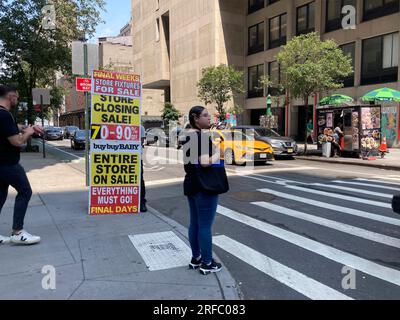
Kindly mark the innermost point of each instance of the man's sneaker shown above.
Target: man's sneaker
(24, 238)
(195, 264)
(4, 240)
(211, 268)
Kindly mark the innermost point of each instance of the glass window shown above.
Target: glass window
(334, 14)
(255, 5)
(256, 38)
(372, 55)
(255, 74)
(349, 49)
(277, 31)
(274, 29)
(273, 71)
(390, 50)
(380, 59)
(372, 4)
(306, 18)
(378, 8)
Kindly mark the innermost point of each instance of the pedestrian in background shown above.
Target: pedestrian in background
(12, 137)
(205, 179)
(143, 201)
(310, 131)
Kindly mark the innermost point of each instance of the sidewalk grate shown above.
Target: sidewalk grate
(161, 251)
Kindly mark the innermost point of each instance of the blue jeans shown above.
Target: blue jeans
(203, 208)
(15, 176)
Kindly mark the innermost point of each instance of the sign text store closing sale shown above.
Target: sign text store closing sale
(115, 148)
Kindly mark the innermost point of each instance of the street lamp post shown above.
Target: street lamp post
(269, 105)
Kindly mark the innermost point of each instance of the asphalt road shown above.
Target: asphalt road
(292, 229)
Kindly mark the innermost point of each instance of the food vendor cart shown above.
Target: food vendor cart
(361, 126)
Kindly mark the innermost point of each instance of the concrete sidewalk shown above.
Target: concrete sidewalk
(93, 256)
(391, 161)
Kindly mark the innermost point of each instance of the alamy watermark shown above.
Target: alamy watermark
(49, 280)
(349, 19)
(49, 17)
(350, 278)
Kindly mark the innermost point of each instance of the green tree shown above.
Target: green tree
(170, 113)
(218, 85)
(29, 53)
(310, 65)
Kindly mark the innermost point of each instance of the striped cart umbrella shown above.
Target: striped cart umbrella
(383, 94)
(335, 99)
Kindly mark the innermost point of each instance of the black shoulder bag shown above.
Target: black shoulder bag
(213, 179)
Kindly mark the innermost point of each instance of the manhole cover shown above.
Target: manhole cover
(252, 196)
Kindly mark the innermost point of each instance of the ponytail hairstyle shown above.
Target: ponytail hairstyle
(193, 113)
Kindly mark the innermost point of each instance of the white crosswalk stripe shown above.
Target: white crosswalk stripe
(341, 257)
(355, 231)
(376, 186)
(341, 209)
(289, 277)
(342, 197)
(380, 181)
(371, 193)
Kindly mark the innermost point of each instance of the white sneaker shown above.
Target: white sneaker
(24, 238)
(4, 240)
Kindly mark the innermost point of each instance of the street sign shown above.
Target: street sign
(78, 59)
(83, 84)
(45, 93)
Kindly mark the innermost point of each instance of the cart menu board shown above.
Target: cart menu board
(371, 122)
(355, 122)
(115, 146)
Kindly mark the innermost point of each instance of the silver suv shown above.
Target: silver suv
(283, 146)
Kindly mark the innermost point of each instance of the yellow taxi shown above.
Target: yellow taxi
(238, 148)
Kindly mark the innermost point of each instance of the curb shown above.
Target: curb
(228, 286)
(361, 164)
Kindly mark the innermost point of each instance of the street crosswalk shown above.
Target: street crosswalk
(347, 212)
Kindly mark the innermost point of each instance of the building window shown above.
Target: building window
(378, 8)
(275, 76)
(255, 5)
(277, 31)
(272, 1)
(255, 74)
(256, 38)
(380, 56)
(350, 50)
(334, 14)
(306, 19)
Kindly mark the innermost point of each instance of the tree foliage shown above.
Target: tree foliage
(31, 55)
(170, 113)
(218, 85)
(310, 65)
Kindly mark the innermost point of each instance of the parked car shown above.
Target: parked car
(53, 133)
(283, 146)
(69, 131)
(78, 140)
(239, 148)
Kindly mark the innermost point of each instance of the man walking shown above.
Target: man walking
(12, 137)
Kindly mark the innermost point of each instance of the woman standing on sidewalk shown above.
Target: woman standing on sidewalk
(205, 180)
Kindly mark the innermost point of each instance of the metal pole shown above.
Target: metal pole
(87, 113)
(44, 142)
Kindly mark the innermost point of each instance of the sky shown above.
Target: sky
(118, 13)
